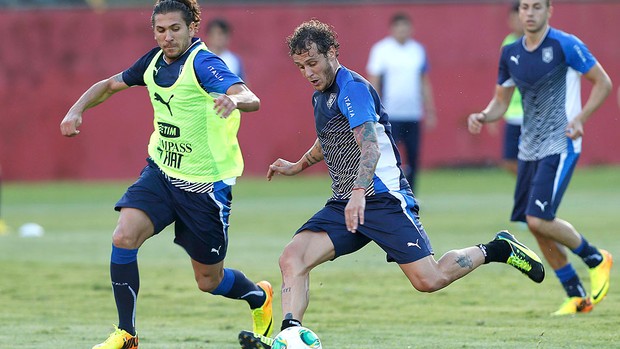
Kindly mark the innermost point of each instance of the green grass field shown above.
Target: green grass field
(55, 290)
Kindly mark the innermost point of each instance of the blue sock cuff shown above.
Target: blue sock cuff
(123, 255)
(566, 273)
(581, 246)
(226, 284)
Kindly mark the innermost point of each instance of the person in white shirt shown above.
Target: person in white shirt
(398, 68)
(218, 39)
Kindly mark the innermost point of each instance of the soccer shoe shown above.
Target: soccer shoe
(599, 277)
(263, 317)
(522, 258)
(250, 340)
(119, 339)
(574, 305)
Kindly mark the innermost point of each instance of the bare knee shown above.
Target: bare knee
(125, 238)
(535, 225)
(290, 262)
(132, 229)
(430, 285)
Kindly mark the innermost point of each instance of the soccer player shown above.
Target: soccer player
(194, 158)
(398, 69)
(514, 114)
(546, 65)
(372, 200)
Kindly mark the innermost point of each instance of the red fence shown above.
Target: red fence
(48, 58)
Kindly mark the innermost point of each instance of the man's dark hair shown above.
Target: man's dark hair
(400, 16)
(189, 9)
(313, 31)
(219, 23)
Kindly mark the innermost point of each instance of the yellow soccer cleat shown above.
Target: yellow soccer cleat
(119, 339)
(522, 258)
(599, 277)
(249, 340)
(263, 317)
(574, 305)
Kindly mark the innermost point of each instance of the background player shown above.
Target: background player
(398, 68)
(546, 66)
(196, 102)
(514, 114)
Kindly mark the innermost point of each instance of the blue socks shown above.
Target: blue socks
(236, 285)
(125, 283)
(569, 279)
(588, 253)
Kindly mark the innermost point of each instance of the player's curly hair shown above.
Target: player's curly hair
(312, 31)
(189, 9)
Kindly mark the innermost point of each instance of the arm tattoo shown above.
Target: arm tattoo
(464, 261)
(313, 155)
(366, 137)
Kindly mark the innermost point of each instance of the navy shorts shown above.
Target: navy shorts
(200, 220)
(512, 133)
(390, 220)
(541, 185)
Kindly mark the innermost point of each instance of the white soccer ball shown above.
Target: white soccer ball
(31, 230)
(296, 337)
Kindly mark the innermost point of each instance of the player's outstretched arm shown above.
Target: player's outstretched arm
(238, 96)
(287, 168)
(95, 95)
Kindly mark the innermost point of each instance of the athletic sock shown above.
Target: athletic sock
(495, 251)
(570, 281)
(125, 283)
(588, 253)
(290, 322)
(236, 285)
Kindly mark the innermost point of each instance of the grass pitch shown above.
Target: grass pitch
(55, 290)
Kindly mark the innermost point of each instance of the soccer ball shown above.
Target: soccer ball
(296, 337)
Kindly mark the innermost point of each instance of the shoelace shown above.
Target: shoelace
(519, 262)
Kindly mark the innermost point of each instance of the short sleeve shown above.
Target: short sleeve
(213, 73)
(357, 104)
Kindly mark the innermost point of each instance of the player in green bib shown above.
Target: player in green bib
(514, 115)
(194, 159)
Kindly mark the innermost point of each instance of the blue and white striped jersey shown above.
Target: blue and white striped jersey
(549, 79)
(349, 102)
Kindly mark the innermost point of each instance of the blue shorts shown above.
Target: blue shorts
(541, 185)
(512, 133)
(390, 220)
(201, 220)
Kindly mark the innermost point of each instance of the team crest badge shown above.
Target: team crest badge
(331, 100)
(547, 54)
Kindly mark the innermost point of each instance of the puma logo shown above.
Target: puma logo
(542, 205)
(416, 244)
(216, 250)
(161, 100)
(515, 59)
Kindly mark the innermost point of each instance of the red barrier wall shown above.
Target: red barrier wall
(48, 58)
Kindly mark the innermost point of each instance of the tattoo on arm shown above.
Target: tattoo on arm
(464, 261)
(366, 137)
(312, 156)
